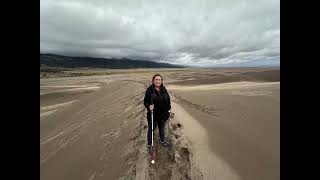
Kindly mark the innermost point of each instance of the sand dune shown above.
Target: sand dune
(55, 106)
(95, 127)
(223, 86)
(73, 89)
(47, 110)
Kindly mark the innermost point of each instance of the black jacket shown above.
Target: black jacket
(161, 101)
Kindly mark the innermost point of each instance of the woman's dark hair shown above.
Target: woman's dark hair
(156, 76)
(162, 88)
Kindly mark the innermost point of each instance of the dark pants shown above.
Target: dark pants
(161, 124)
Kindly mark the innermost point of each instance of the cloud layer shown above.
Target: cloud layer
(199, 33)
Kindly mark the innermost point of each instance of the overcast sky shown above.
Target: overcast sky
(195, 32)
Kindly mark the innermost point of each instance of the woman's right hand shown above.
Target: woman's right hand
(151, 107)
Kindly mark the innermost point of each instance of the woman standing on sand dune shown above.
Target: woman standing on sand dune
(157, 99)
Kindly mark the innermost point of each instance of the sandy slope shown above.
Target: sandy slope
(211, 166)
(242, 123)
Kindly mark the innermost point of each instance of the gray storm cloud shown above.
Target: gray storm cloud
(199, 33)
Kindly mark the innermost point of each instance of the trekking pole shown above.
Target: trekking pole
(153, 153)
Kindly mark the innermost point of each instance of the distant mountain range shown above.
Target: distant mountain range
(59, 61)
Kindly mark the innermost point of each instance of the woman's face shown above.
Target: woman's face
(157, 81)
